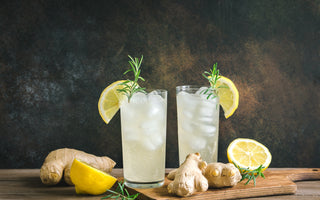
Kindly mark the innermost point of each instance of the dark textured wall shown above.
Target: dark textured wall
(56, 57)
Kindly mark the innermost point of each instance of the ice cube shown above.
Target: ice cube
(153, 142)
(124, 101)
(214, 100)
(187, 101)
(197, 143)
(156, 106)
(206, 94)
(205, 111)
(148, 127)
(154, 97)
(156, 139)
(187, 114)
(186, 125)
(138, 98)
(209, 102)
(201, 90)
(146, 144)
(207, 130)
(129, 135)
(182, 93)
(205, 119)
(154, 92)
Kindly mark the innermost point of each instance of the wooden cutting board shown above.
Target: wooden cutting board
(276, 182)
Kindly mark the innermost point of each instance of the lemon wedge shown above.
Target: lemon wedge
(248, 153)
(88, 180)
(110, 99)
(228, 95)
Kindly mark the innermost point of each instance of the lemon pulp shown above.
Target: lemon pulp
(248, 153)
(89, 180)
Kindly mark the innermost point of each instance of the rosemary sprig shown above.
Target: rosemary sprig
(212, 77)
(246, 173)
(131, 87)
(120, 193)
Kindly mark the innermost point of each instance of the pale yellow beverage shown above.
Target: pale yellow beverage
(143, 127)
(198, 123)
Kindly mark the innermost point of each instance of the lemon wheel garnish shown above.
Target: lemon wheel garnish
(228, 95)
(89, 180)
(248, 153)
(109, 101)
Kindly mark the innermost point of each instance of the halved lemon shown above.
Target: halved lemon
(228, 95)
(89, 180)
(109, 101)
(248, 153)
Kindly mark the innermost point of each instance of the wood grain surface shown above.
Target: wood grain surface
(26, 184)
(277, 182)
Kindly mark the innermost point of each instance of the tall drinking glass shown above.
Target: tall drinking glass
(143, 127)
(198, 122)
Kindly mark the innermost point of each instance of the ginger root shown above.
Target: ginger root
(58, 162)
(188, 178)
(222, 175)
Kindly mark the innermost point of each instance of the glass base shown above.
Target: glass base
(143, 185)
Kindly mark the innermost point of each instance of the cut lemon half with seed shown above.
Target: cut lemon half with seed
(89, 180)
(110, 99)
(248, 153)
(228, 95)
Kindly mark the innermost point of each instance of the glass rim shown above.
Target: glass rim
(191, 89)
(190, 86)
(157, 90)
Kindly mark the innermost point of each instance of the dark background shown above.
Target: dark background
(56, 57)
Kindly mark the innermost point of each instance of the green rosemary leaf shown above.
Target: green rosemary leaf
(135, 196)
(250, 174)
(209, 95)
(120, 193)
(212, 77)
(121, 187)
(107, 197)
(254, 180)
(127, 193)
(129, 70)
(131, 86)
(112, 192)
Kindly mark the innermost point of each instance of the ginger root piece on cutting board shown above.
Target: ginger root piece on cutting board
(188, 178)
(58, 164)
(195, 175)
(222, 175)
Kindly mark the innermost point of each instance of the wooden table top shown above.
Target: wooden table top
(26, 184)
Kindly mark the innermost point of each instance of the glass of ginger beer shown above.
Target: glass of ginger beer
(198, 122)
(143, 130)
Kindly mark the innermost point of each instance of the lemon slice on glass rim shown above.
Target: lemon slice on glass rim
(110, 100)
(228, 95)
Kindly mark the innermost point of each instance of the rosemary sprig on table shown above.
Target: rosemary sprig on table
(212, 77)
(120, 193)
(131, 87)
(246, 173)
